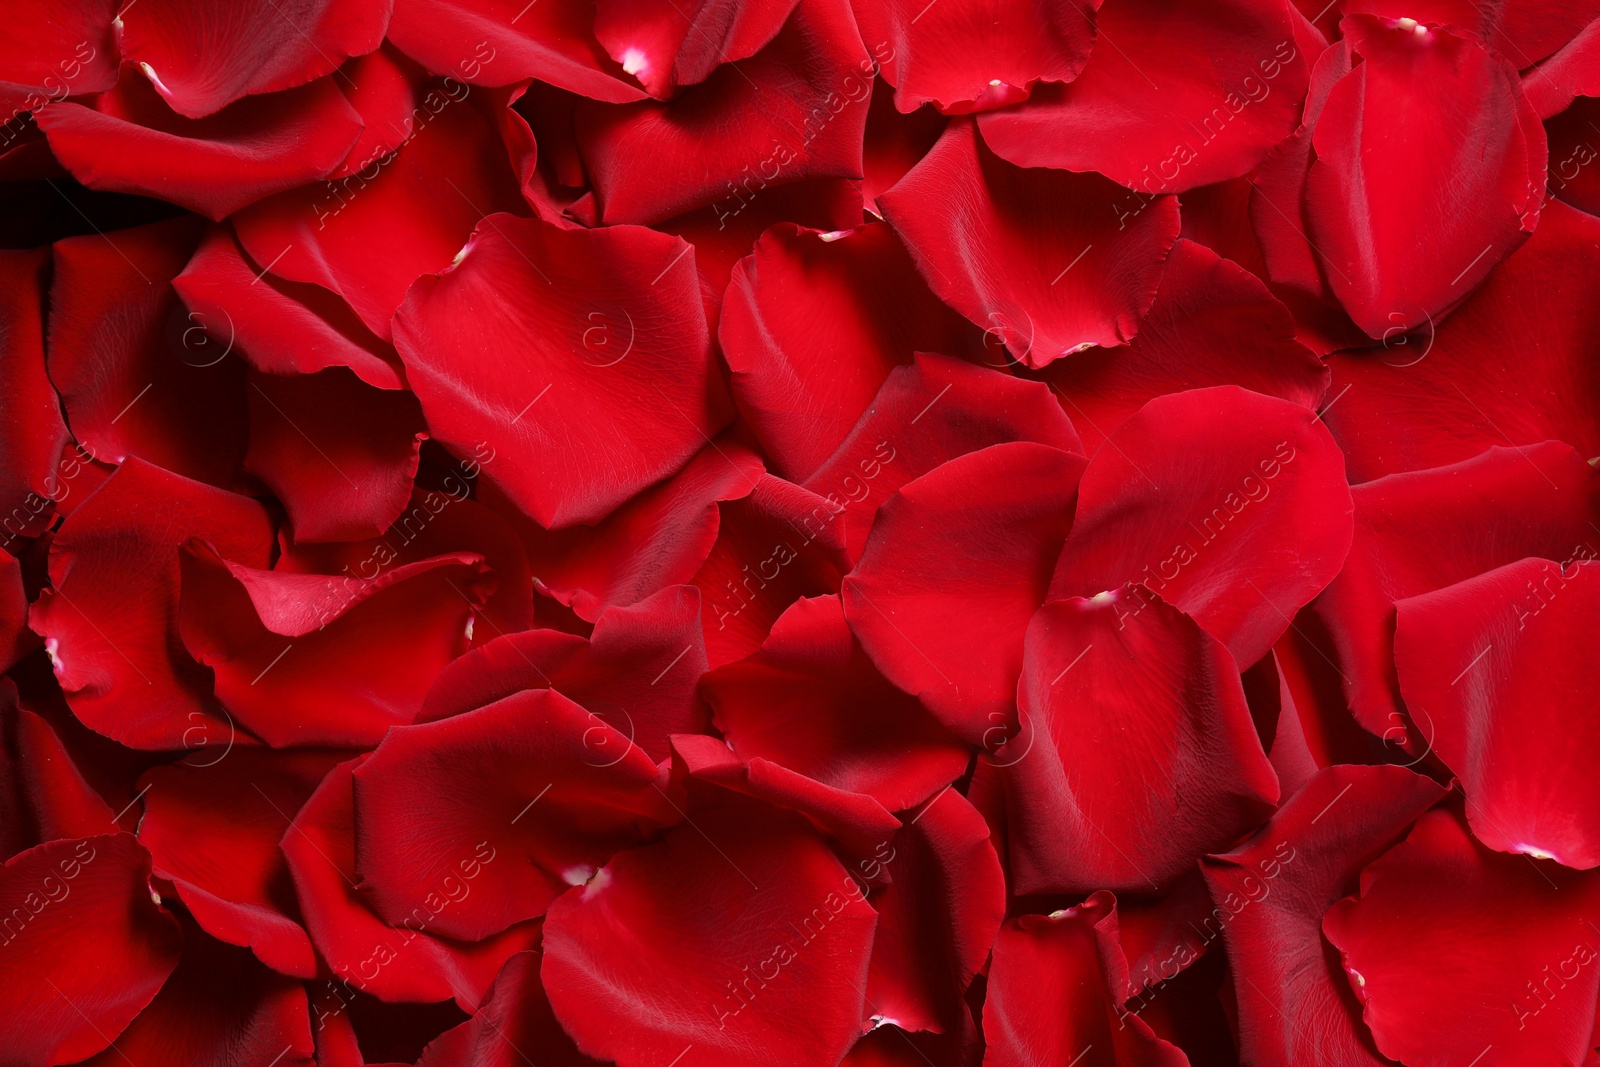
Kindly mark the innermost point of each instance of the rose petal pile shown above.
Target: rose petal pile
(710, 533)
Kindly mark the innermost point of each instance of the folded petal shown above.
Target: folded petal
(110, 620)
(1269, 897)
(1109, 692)
(1415, 203)
(1508, 368)
(515, 1015)
(72, 976)
(1520, 991)
(810, 700)
(1410, 540)
(201, 57)
(1188, 94)
(533, 778)
(313, 659)
(50, 53)
(795, 110)
(1232, 506)
(366, 955)
(130, 141)
(132, 382)
(665, 45)
(802, 388)
(1043, 257)
(340, 454)
(1492, 663)
(1055, 994)
(610, 326)
(956, 564)
(32, 433)
(716, 938)
(1212, 323)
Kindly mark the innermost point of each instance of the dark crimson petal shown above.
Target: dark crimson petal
(856, 821)
(110, 621)
(894, 143)
(367, 236)
(926, 414)
(657, 539)
(1269, 897)
(937, 918)
(957, 562)
(774, 546)
(312, 659)
(131, 142)
(1212, 323)
(32, 433)
(339, 454)
(1509, 368)
(666, 45)
(611, 325)
(1413, 203)
(721, 938)
(1055, 994)
(497, 42)
(1572, 151)
(202, 56)
(1232, 506)
(514, 1016)
(1186, 94)
(278, 326)
(404, 963)
(811, 326)
(72, 976)
(1116, 688)
(46, 796)
(533, 776)
(1489, 667)
(976, 55)
(637, 672)
(438, 523)
(129, 382)
(795, 110)
(1045, 259)
(810, 700)
(1520, 991)
(220, 1006)
(1536, 501)
(1218, 217)
(212, 825)
(54, 51)
(16, 640)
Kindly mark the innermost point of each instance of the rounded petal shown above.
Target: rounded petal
(1050, 262)
(1232, 506)
(667, 45)
(957, 562)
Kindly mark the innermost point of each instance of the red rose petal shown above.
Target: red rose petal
(72, 976)
(50, 53)
(1467, 176)
(939, 55)
(1212, 323)
(637, 412)
(534, 780)
(1491, 665)
(1537, 501)
(811, 701)
(1270, 895)
(32, 432)
(1530, 924)
(201, 58)
(1046, 260)
(666, 46)
(515, 1015)
(1190, 94)
(340, 454)
(957, 562)
(794, 110)
(114, 570)
(802, 388)
(404, 963)
(1108, 692)
(130, 141)
(718, 937)
(310, 659)
(1229, 504)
